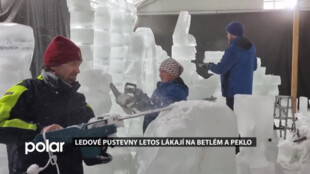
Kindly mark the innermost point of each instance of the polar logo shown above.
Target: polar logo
(44, 147)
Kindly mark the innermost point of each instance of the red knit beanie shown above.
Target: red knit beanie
(61, 50)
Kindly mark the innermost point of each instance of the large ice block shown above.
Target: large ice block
(102, 56)
(180, 36)
(148, 36)
(118, 52)
(102, 38)
(259, 62)
(129, 21)
(3, 159)
(82, 35)
(183, 52)
(86, 65)
(87, 52)
(78, 5)
(17, 40)
(118, 39)
(255, 119)
(105, 3)
(303, 105)
(135, 47)
(16, 50)
(117, 79)
(161, 54)
(102, 52)
(133, 68)
(213, 56)
(255, 115)
(117, 65)
(189, 74)
(117, 21)
(95, 85)
(189, 119)
(204, 88)
(102, 18)
(82, 19)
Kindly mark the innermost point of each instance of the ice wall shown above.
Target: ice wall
(16, 50)
(103, 30)
(112, 51)
(120, 17)
(127, 55)
(255, 119)
(266, 85)
(150, 60)
(142, 68)
(81, 29)
(95, 82)
(184, 50)
(184, 47)
(184, 44)
(3, 159)
(139, 63)
(17, 45)
(189, 119)
(303, 105)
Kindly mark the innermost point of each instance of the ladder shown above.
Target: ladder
(283, 112)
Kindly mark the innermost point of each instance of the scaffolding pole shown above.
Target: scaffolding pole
(294, 80)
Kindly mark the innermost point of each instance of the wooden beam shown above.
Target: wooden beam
(294, 79)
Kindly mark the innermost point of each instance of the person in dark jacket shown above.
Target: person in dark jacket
(47, 103)
(237, 64)
(170, 89)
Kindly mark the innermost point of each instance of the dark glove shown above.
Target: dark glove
(209, 65)
(100, 155)
(200, 64)
(203, 70)
(204, 65)
(141, 100)
(139, 93)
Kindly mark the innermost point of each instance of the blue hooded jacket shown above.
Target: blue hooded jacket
(236, 67)
(165, 94)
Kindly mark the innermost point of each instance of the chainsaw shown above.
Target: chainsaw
(127, 99)
(104, 126)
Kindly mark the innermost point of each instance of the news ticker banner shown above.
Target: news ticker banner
(166, 141)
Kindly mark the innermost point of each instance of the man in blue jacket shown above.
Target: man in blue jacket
(237, 64)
